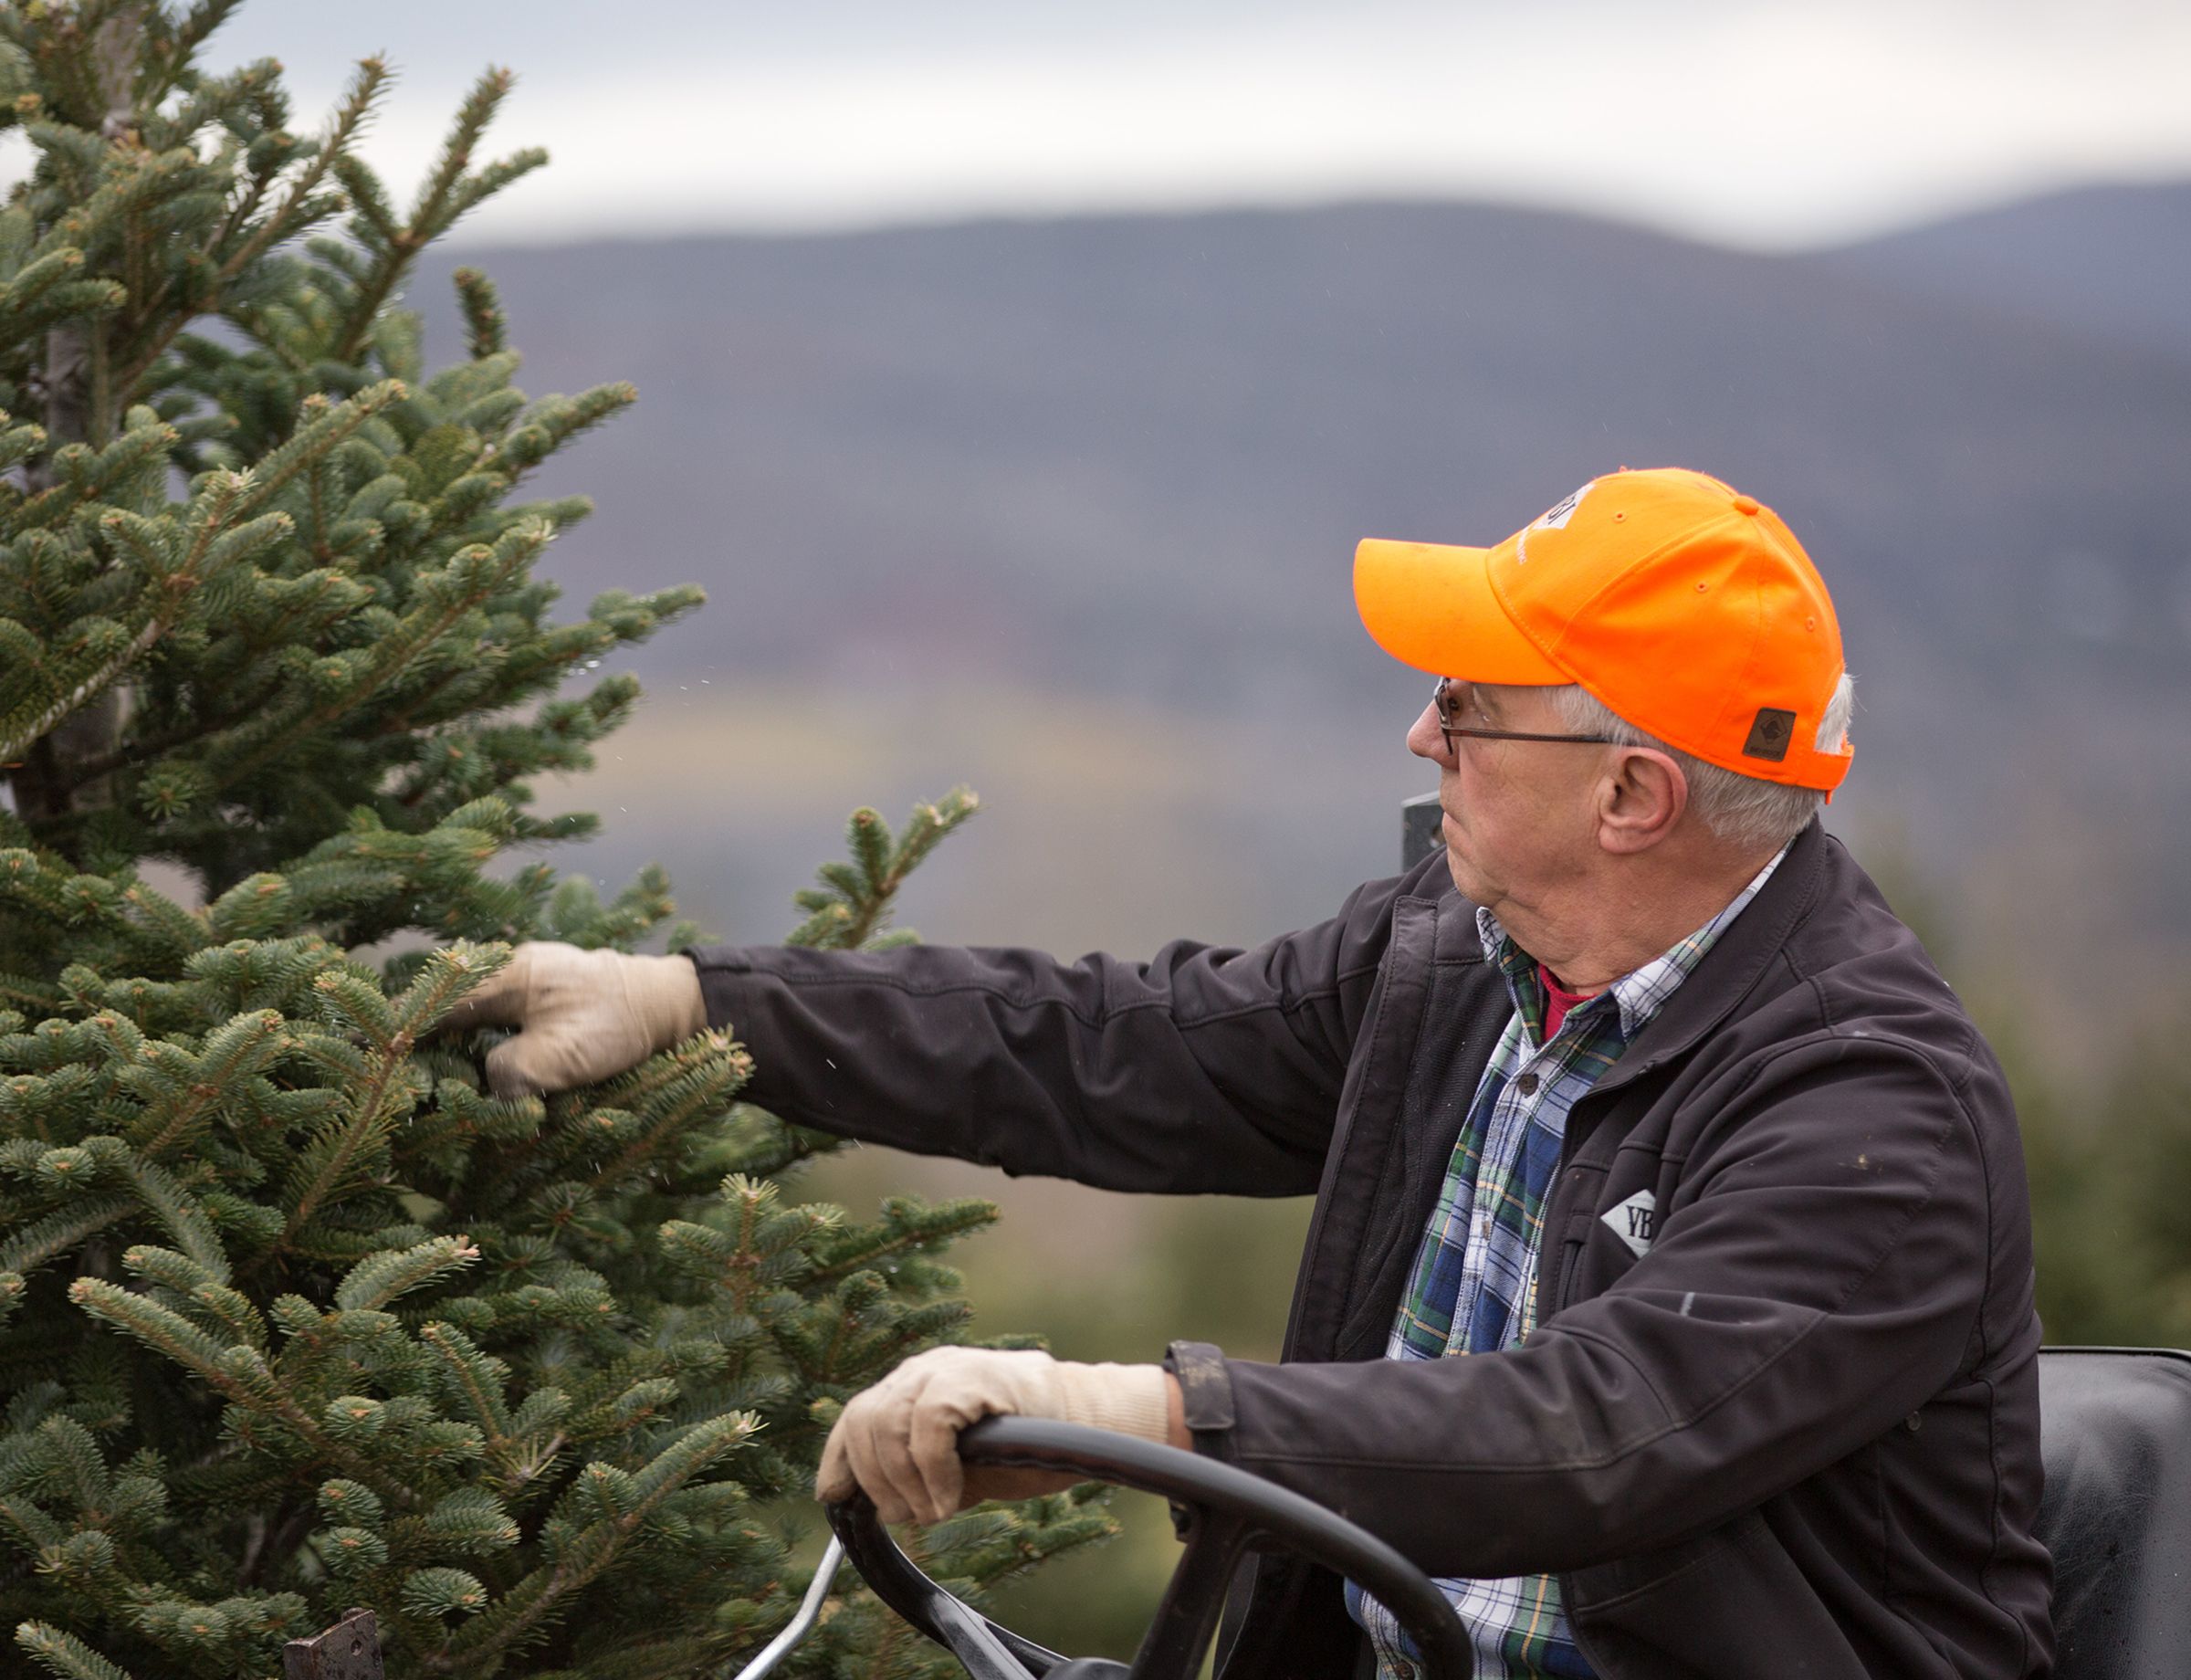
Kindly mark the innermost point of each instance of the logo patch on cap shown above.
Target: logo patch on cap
(1554, 518)
(1770, 734)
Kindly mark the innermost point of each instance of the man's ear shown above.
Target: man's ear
(1640, 800)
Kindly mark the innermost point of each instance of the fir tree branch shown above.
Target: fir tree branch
(330, 426)
(205, 1290)
(235, 1049)
(373, 1110)
(434, 210)
(177, 1209)
(290, 217)
(712, 1080)
(22, 1514)
(379, 1279)
(528, 1605)
(215, 548)
(65, 1654)
(239, 1372)
(466, 1368)
(856, 899)
(479, 572)
(33, 1245)
(908, 1228)
(80, 474)
(173, 43)
(328, 588)
(486, 328)
(296, 211)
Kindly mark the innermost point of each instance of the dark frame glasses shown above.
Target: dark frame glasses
(1441, 698)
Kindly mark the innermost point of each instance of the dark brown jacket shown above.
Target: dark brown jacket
(1797, 1436)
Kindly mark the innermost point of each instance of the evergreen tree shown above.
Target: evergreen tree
(301, 1316)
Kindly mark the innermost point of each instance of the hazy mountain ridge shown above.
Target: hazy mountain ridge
(2114, 262)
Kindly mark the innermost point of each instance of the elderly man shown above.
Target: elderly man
(1668, 1292)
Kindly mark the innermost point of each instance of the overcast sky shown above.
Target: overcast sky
(1766, 124)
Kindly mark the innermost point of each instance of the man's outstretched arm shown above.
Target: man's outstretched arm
(1200, 1070)
(1204, 1069)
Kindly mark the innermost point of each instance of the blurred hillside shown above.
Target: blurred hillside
(1065, 509)
(2109, 261)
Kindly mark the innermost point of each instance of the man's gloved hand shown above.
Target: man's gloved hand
(585, 1014)
(898, 1440)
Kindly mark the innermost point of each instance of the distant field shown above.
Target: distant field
(1103, 825)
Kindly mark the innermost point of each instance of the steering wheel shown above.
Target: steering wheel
(1225, 1509)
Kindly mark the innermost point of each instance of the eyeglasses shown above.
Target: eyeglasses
(1452, 709)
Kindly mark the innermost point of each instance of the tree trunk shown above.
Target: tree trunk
(43, 782)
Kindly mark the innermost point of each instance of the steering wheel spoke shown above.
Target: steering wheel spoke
(988, 1651)
(974, 1640)
(1187, 1615)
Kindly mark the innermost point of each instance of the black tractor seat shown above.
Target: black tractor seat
(2115, 1436)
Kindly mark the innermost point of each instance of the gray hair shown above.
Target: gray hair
(1744, 810)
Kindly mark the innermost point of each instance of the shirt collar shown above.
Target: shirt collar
(1641, 992)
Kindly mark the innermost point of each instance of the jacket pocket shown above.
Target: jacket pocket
(1571, 1250)
(1729, 1605)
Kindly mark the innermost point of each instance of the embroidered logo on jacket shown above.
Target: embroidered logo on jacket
(1635, 1222)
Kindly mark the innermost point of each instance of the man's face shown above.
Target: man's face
(1519, 814)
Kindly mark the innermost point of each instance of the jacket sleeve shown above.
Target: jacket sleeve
(1203, 1069)
(1817, 1281)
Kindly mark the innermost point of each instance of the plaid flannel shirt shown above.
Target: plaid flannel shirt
(1473, 1286)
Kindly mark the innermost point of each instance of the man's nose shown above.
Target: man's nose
(1425, 739)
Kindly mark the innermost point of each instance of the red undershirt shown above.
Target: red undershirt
(1558, 1000)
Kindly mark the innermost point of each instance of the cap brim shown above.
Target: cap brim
(1429, 605)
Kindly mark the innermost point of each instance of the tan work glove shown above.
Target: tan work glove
(899, 1439)
(585, 1014)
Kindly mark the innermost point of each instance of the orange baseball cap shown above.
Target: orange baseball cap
(1688, 608)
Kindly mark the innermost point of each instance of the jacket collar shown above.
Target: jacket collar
(1732, 966)
(1641, 992)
